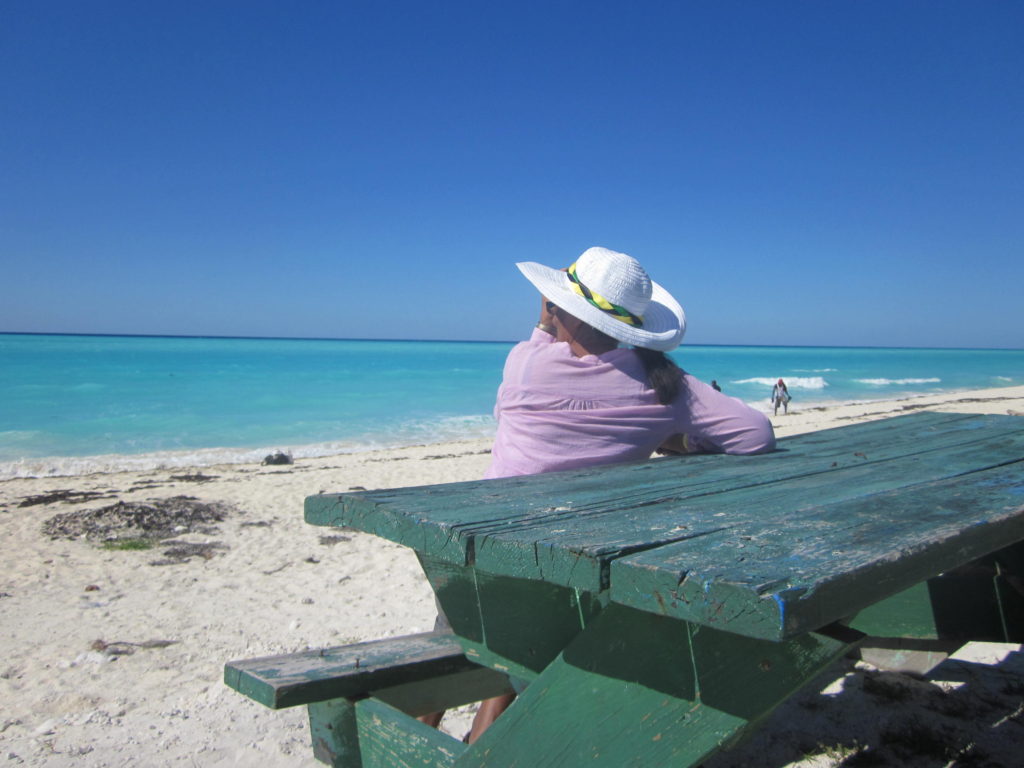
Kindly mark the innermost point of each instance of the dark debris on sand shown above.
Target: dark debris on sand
(330, 541)
(125, 648)
(155, 519)
(278, 457)
(67, 496)
(182, 551)
(197, 477)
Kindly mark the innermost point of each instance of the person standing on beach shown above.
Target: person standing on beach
(714, 385)
(593, 384)
(780, 396)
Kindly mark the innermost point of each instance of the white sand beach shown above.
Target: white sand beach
(115, 657)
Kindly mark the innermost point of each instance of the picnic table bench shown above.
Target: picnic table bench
(649, 613)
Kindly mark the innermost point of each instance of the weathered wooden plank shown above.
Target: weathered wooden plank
(410, 516)
(577, 552)
(389, 738)
(442, 520)
(636, 689)
(826, 562)
(566, 527)
(347, 671)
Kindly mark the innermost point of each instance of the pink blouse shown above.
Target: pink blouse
(557, 411)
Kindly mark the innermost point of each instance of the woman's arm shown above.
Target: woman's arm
(712, 422)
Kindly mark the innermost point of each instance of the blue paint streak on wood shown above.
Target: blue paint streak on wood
(780, 603)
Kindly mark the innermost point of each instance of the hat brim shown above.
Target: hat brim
(664, 320)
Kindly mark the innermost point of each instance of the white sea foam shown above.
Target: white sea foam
(888, 382)
(796, 382)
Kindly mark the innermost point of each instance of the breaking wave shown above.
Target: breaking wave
(796, 382)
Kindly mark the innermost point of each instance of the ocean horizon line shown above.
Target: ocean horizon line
(475, 341)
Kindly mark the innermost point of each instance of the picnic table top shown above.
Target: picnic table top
(767, 546)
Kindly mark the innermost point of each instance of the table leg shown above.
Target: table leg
(636, 689)
(335, 734)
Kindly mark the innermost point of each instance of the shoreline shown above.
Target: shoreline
(805, 415)
(992, 400)
(110, 655)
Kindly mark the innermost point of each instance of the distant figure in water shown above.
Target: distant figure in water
(714, 386)
(780, 396)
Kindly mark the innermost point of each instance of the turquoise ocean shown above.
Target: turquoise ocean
(72, 404)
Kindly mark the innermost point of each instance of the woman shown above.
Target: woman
(573, 396)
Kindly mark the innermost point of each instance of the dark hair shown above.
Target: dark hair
(663, 374)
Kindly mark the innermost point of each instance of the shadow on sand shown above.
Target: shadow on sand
(961, 713)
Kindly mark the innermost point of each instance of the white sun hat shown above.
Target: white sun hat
(613, 293)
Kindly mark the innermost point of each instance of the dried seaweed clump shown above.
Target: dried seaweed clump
(156, 519)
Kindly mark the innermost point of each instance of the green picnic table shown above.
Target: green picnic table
(650, 613)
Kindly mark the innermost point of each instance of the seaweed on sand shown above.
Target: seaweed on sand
(156, 519)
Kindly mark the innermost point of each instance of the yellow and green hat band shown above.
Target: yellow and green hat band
(599, 301)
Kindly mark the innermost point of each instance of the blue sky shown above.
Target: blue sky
(838, 173)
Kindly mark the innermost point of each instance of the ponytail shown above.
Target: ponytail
(663, 375)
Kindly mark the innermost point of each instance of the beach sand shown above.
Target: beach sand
(115, 657)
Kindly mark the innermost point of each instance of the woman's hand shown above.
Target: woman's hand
(547, 315)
